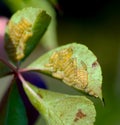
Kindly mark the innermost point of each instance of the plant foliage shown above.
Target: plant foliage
(73, 63)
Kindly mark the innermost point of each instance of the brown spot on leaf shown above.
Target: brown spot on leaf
(61, 115)
(94, 64)
(79, 115)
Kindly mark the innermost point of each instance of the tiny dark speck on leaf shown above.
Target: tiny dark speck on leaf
(94, 64)
(79, 115)
(40, 95)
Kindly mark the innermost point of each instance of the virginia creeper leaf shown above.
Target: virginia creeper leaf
(15, 112)
(35, 79)
(24, 31)
(49, 40)
(75, 65)
(61, 109)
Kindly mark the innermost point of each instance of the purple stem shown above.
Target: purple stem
(12, 67)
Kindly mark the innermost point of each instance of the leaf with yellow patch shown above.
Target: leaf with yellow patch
(75, 65)
(24, 31)
(49, 40)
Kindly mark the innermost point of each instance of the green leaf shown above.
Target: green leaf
(15, 111)
(3, 105)
(49, 40)
(61, 109)
(75, 65)
(24, 31)
(3, 69)
(54, 2)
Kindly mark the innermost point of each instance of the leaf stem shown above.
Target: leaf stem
(12, 67)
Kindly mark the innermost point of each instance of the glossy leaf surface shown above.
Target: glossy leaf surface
(75, 65)
(15, 113)
(3, 70)
(61, 109)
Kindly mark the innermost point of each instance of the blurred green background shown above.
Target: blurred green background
(97, 25)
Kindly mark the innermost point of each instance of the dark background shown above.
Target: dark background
(84, 9)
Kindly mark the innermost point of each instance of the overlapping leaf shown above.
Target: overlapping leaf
(24, 31)
(75, 64)
(61, 109)
(3, 69)
(49, 40)
(14, 112)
